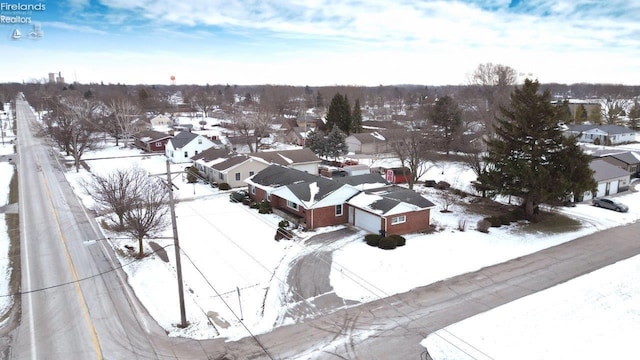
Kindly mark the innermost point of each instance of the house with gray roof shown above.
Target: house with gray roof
(314, 201)
(151, 141)
(234, 170)
(185, 145)
(603, 134)
(299, 159)
(611, 179)
(627, 160)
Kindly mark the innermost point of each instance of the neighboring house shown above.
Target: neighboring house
(235, 170)
(313, 201)
(605, 134)
(296, 136)
(359, 169)
(151, 141)
(628, 160)
(611, 179)
(140, 125)
(366, 143)
(299, 159)
(206, 159)
(398, 175)
(185, 145)
(390, 210)
(161, 121)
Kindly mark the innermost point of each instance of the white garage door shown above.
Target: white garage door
(367, 221)
(613, 189)
(602, 189)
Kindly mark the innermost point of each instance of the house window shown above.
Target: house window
(339, 210)
(292, 205)
(251, 173)
(196, 153)
(253, 190)
(199, 141)
(158, 144)
(237, 176)
(398, 220)
(186, 154)
(220, 176)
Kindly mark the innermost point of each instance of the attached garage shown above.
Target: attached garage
(611, 179)
(367, 221)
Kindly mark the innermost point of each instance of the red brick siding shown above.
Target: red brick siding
(326, 216)
(157, 148)
(259, 196)
(416, 221)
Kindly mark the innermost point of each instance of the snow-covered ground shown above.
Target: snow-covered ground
(233, 269)
(6, 173)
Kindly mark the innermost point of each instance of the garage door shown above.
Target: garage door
(602, 189)
(367, 221)
(613, 188)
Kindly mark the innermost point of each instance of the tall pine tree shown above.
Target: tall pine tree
(530, 157)
(339, 113)
(446, 114)
(356, 118)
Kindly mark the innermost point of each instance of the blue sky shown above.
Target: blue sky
(324, 42)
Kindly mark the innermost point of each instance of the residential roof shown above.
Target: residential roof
(151, 136)
(384, 200)
(230, 162)
(212, 154)
(609, 129)
(288, 157)
(298, 182)
(361, 180)
(182, 139)
(368, 138)
(602, 170)
(628, 157)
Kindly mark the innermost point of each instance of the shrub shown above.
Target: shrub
(254, 205)
(400, 240)
(494, 221)
(443, 185)
(505, 219)
(518, 214)
(224, 186)
(192, 174)
(283, 224)
(246, 201)
(372, 239)
(264, 207)
(388, 243)
(483, 226)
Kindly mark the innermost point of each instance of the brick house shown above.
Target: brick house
(151, 141)
(313, 201)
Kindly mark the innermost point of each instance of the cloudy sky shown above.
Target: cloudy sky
(321, 42)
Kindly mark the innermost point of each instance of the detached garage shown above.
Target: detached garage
(611, 179)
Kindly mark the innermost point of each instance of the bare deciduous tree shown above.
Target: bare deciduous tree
(613, 108)
(113, 192)
(494, 83)
(255, 128)
(124, 112)
(413, 149)
(146, 214)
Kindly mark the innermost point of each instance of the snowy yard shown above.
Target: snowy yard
(229, 254)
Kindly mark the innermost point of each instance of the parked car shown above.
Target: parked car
(238, 195)
(610, 204)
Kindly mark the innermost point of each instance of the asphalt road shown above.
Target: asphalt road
(98, 317)
(74, 304)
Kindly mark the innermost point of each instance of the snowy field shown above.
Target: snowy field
(235, 273)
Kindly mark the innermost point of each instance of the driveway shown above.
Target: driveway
(310, 290)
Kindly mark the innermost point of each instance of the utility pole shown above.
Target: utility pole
(183, 316)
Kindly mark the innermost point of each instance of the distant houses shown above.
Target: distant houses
(602, 134)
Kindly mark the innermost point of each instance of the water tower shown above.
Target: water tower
(173, 79)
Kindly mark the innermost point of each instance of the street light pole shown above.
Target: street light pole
(183, 316)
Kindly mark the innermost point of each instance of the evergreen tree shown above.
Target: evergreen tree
(563, 112)
(317, 143)
(581, 114)
(634, 116)
(446, 114)
(335, 143)
(356, 118)
(339, 113)
(530, 157)
(595, 115)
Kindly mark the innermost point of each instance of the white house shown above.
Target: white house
(603, 134)
(185, 145)
(161, 121)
